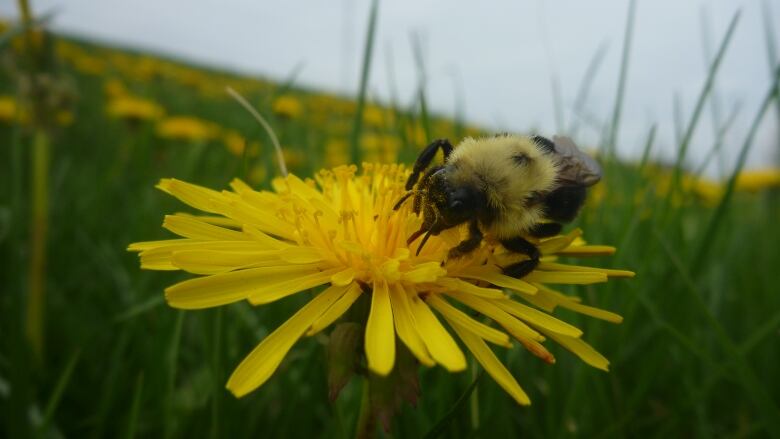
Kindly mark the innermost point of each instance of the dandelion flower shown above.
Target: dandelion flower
(235, 143)
(133, 109)
(339, 234)
(288, 107)
(758, 179)
(9, 110)
(187, 128)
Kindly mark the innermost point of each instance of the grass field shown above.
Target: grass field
(696, 354)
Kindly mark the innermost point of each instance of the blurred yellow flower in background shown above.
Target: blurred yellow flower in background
(343, 233)
(758, 179)
(379, 148)
(187, 128)
(235, 143)
(287, 106)
(336, 152)
(375, 116)
(294, 158)
(114, 88)
(9, 110)
(134, 108)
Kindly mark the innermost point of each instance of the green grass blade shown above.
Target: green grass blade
(697, 111)
(135, 407)
(460, 404)
(750, 382)
(289, 83)
(141, 308)
(59, 390)
(585, 85)
(648, 147)
(216, 367)
(705, 240)
(368, 52)
(419, 60)
(771, 47)
(621, 90)
(172, 360)
(20, 28)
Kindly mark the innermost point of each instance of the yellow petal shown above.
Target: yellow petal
(566, 277)
(224, 288)
(262, 238)
(380, 335)
(469, 288)
(272, 292)
(343, 277)
(215, 261)
(492, 365)
(405, 326)
(301, 255)
(588, 250)
(554, 266)
(440, 344)
(456, 316)
(538, 318)
(427, 272)
(201, 198)
(190, 227)
(351, 293)
(148, 245)
(212, 219)
(263, 219)
(162, 255)
(389, 269)
(498, 279)
(540, 351)
(258, 366)
(558, 243)
(581, 349)
(518, 329)
(592, 311)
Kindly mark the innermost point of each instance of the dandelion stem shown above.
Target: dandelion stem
(39, 227)
(366, 428)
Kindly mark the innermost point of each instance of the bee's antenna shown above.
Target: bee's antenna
(266, 126)
(425, 239)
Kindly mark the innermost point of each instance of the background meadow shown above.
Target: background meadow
(89, 347)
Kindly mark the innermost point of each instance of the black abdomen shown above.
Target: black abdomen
(562, 204)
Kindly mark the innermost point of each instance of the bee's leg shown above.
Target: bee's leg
(426, 157)
(469, 244)
(424, 183)
(545, 230)
(522, 268)
(403, 198)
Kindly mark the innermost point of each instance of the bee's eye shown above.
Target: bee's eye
(456, 205)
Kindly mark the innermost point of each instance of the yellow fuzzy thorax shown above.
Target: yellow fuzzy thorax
(489, 163)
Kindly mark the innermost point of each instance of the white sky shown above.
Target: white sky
(496, 57)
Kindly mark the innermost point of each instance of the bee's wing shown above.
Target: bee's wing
(574, 166)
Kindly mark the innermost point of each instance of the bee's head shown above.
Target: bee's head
(452, 204)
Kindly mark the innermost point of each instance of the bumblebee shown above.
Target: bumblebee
(506, 187)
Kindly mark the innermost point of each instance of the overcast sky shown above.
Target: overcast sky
(496, 57)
